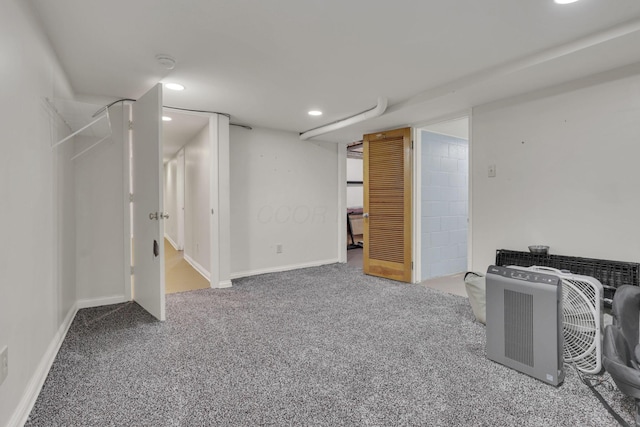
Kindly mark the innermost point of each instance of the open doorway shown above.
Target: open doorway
(186, 185)
(355, 204)
(444, 203)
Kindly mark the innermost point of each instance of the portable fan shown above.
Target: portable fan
(581, 319)
(582, 323)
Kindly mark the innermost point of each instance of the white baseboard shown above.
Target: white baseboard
(97, 302)
(173, 243)
(30, 395)
(200, 269)
(283, 268)
(223, 284)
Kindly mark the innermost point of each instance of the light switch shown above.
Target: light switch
(492, 171)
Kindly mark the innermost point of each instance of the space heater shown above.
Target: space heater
(524, 322)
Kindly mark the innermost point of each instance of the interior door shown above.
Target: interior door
(148, 224)
(387, 204)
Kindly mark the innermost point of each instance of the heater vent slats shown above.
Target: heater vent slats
(518, 327)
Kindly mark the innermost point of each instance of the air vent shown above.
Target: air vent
(518, 327)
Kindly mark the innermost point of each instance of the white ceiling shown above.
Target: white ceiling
(266, 63)
(182, 128)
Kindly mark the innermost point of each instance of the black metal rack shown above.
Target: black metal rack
(612, 274)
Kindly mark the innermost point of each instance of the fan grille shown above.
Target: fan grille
(581, 325)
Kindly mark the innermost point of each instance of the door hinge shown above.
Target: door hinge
(130, 197)
(412, 265)
(130, 125)
(132, 270)
(412, 145)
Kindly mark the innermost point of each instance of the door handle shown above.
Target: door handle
(156, 215)
(365, 215)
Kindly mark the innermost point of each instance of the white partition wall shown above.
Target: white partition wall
(179, 216)
(37, 259)
(284, 201)
(219, 201)
(100, 203)
(174, 200)
(197, 241)
(566, 166)
(171, 201)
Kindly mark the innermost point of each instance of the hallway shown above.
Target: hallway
(180, 276)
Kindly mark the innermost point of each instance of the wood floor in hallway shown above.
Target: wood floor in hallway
(179, 275)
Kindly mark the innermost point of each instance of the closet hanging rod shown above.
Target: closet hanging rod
(68, 137)
(89, 148)
(106, 107)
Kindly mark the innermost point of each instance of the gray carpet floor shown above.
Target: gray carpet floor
(324, 346)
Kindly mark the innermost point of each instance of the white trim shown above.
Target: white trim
(444, 118)
(469, 195)
(215, 258)
(417, 205)
(200, 269)
(174, 244)
(38, 378)
(223, 284)
(283, 268)
(127, 190)
(98, 302)
(219, 201)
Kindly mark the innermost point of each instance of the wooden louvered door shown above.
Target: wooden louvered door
(387, 204)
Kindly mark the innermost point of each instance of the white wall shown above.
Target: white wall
(355, 193)
(100, 222)
(567, 173)
(171, 200)
(444, 198)
(197, 155)
(283, 192)
(37, 257)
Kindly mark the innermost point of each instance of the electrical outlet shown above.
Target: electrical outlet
(4, 363)
(492, 171)
(279, 249)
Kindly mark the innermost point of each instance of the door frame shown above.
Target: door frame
(417, 188)
(220, 202)
(219, 197)
(127, 137)
(386, 268)
(417, 191)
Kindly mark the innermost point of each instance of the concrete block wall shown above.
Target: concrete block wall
(444, 198)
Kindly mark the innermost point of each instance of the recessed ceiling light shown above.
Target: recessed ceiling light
(166, 119)
(565, 1)
(315, 113)
(174, 86)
